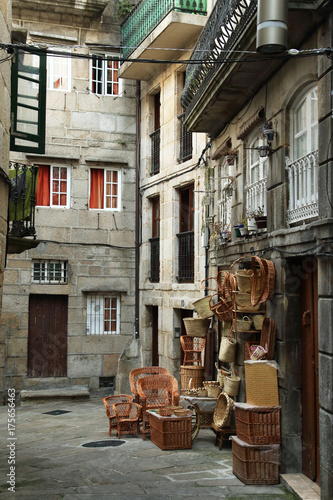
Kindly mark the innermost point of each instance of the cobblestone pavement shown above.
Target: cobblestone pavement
(52, 463)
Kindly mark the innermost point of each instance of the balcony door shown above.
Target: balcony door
(186, 235)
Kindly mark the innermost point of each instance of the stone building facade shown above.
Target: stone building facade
(236, 104)
(5, 29)
(171, 182)
(80, 278)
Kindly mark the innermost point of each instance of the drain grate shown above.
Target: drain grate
(57, 412)
(103, 444)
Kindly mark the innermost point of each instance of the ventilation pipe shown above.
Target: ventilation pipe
(272, 18)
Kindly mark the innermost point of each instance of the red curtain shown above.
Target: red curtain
(96, 188)
(43, 186)
(115, 78)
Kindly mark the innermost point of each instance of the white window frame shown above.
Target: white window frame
(63, 62)
(46, 270)
(311, 123)
(103, 81)
(68, 183)
(118, 170)
(224, 202)
(96, 314)
(256, 189)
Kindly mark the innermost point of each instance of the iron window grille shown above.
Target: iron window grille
(185, 141)
(154, 260)
(50, 272)
(186, 257)
(155, 152)
(103, 314)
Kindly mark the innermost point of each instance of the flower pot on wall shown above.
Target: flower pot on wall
(237, 232)
(251, 224)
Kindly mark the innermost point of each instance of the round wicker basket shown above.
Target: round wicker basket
(223, 410)
(196, 327)
(165, 411)
(245, 278)
(181, 412)
(202, 307)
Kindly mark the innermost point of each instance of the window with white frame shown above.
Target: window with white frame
(256, 185)
(306, 124)
(53, 186)
(225, 194)
(59, 72)
(103, 314)
(104, 75)
(105, 189)
(49, 271)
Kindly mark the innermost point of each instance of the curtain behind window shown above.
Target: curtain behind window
(43, 186)
(96, 188)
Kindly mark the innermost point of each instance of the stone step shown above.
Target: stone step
(46, 395)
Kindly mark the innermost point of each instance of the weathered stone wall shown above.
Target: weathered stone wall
(83, 130)
(5, 27)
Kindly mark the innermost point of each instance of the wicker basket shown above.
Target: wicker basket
(165, 411)
(255, 464)
(223, 411)
(196, 327)
(171, 433)
(258, 424)
(243, 325)
(194, 372)
(231, 384)
(180, 412)
(261, 383)
(243, 301)
(213, 392)
(258, 320)
(202, 307)
(228, 349)
(245, 278)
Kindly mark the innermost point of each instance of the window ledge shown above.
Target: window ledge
(104, 290)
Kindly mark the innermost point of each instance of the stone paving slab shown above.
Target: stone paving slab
(51, 462)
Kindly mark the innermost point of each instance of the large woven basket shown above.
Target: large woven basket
(191, 372)
(245, 279)
(202, 307)
(196, 327)
(243, 325)
(231, 384)
(258, 320)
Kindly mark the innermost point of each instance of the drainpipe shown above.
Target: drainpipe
(137, 210)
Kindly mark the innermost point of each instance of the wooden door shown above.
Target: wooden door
(154, 342)
(47, 340)
(310, 383)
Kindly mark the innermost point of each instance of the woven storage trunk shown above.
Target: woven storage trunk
(188, 372)
(261, 383)
(171, 433)
(255, 464)
(258, 424)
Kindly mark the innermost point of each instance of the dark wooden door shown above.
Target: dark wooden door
(47, 341)
(310, 384)
(154, 341)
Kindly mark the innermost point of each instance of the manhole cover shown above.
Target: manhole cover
(103, 444)
(57, 412)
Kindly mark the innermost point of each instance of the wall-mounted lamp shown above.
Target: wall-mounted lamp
(268, 131)
(264, 151)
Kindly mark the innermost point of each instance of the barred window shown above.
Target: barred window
(103, 314)
(49, 271)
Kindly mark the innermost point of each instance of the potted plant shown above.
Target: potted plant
(251, 222)
(243, 228)
(260, 217)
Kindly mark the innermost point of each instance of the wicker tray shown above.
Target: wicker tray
(254, 464)
(258, 424)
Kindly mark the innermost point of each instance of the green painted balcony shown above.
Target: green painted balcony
(155, 29)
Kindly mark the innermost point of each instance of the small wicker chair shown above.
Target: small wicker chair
(109, 401)
(145, 371)
(192, 347)
(222, 418)
(156, 392)
(127, 416)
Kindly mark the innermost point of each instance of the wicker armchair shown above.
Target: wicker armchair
(145, 371)
(156, 392)
(127, 416)
(192, 347)
(109, 402)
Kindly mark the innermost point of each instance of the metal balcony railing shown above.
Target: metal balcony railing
(303, 188)
(185, 257)
(225, 25)
(185, 141)
(154, 260)
(256, 195)
(155, 152)
(22, 200)
(147, 14)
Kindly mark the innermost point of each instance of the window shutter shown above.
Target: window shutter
(28, 102)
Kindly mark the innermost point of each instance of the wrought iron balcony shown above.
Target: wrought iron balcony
(186, 257)
(154, 260)
(155, 152)
(185, 141)
(152, 24)
(225, 79)
(303, 188)
(256, 195)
